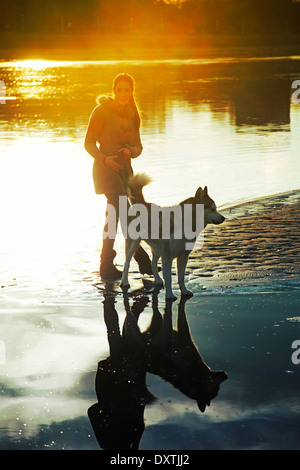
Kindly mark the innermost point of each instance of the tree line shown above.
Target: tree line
(152, 16)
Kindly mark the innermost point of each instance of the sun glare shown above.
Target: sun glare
(35, 64)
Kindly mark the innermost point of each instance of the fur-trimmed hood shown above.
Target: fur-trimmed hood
(104, 100)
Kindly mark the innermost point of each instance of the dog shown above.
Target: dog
(170, 247)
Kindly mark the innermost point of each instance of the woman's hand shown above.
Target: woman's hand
(126, 152)
(111, 163)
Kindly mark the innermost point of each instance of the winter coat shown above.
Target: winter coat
(112, 130)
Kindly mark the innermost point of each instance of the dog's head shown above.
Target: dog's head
(211, 215)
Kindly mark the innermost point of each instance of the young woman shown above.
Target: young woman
(113, 139)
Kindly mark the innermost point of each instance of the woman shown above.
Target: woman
(115, 126)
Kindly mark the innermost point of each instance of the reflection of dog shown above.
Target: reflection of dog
(171, 247)
(173, 355)
(120, 383)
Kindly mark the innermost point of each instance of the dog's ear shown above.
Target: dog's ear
(205, 191)
(199, 194)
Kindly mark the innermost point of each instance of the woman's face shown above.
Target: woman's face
(123, 93)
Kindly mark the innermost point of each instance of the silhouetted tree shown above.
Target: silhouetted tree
(242, 17)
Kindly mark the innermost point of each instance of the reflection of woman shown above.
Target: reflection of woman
(118, 416)
(114, 125)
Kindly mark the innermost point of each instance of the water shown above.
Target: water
(226, 123)
(229, 124)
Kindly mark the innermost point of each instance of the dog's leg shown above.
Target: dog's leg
(181, 265)
(167, 272)
(157, 279)
(130, 247)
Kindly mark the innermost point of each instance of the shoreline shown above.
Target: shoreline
(257, 245)
(292, 194)
(140, 47)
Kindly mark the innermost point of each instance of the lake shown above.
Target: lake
(226, 123)
(229, 124)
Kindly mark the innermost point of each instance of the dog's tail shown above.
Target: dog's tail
(136, 184)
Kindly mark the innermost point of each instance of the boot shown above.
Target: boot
(107, 267)
(143, 260)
